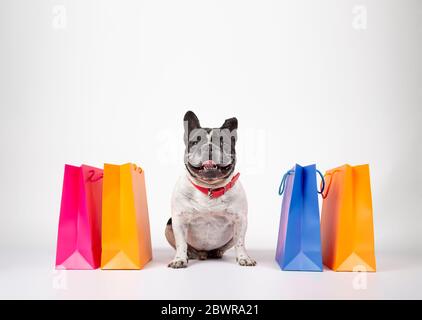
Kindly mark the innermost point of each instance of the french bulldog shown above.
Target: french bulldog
(209, 206)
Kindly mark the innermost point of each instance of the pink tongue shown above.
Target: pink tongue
(209, 164)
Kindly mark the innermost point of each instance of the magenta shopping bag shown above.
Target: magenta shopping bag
(79, 233)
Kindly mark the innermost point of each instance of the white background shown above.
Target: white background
(109, 81)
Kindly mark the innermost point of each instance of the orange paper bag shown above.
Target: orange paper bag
(126, 241)
(347, 231)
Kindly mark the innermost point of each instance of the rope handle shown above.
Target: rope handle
(283, 182)
(322, 182)
(137, 169)
(91, 176)
(282, 186)
(331, 174)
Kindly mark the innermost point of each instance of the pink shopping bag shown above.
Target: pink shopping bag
(79, 233)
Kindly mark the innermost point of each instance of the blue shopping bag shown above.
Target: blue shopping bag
(299, 240)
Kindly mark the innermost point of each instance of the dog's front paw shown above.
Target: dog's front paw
(178, 263)
(246, 261)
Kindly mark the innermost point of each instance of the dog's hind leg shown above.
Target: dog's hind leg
(192, 252)
(170, 235)
(197, 254)
(219, 252)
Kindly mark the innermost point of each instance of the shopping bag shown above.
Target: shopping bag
(79, 232)
(126, 241)
(347, 229)
(299, 241)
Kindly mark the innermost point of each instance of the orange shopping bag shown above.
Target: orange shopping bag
(347, 231)
(126, 241)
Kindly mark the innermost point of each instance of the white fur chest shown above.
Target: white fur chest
(209, 221)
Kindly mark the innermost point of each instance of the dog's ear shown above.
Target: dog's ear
(230, 124)
(191, 121)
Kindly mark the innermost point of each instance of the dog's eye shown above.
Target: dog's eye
(193, 143)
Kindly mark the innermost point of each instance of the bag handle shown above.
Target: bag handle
(137, 169)
(331, 174)
(283, 182)
(282, 186)
(91, 176)
(322, 182)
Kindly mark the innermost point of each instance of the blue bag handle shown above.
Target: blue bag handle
(322, 182)
(282, 186)
(283, 182)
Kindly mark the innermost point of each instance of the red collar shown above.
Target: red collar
(218, 192)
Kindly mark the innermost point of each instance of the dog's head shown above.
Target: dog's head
(210, 154)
